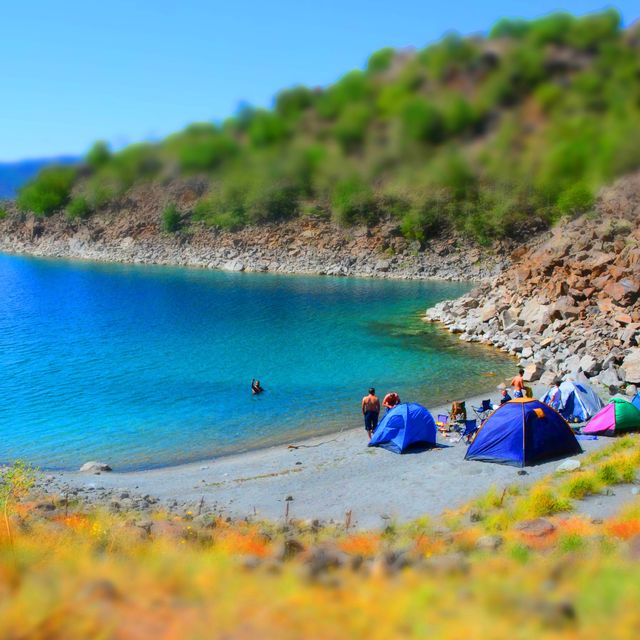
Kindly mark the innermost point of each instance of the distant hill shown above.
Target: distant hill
(482, 136)
(14, 174)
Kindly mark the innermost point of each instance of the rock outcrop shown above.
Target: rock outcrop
(570, 305)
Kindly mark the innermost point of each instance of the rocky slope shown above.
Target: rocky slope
(132, 233)
(570, 305)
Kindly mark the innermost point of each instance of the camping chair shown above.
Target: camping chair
(482, 413)
(443, 422)
(467, 431)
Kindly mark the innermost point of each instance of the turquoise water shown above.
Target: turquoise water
(151, 366)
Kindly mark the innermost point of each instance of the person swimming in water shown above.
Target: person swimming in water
(255, 387)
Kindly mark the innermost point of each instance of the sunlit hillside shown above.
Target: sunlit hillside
(485, 135)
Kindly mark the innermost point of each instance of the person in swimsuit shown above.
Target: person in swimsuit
(255, 387)
(370, 411)
(518, 384)
(391, 400)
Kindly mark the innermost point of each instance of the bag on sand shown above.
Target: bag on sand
(528, 392)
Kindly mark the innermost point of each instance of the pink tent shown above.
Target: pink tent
(618, 416)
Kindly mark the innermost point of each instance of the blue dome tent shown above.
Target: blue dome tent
(577, 402)
(406, 426)
(636, 400)
(521, 432)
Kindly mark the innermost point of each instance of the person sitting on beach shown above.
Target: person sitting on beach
(370, 411)
(458, 411)
(391, 400)
(518, 384)
(255, 387)
(504, 397)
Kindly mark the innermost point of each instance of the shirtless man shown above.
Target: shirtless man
(370, 411)
(518, 384)
(391, 400)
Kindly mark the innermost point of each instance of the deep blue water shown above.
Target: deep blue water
(149, 366)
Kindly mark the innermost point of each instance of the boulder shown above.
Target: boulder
(630, 366)
(233, 265)
(589, 364)
(532, 372)
(549, 377)
(382, 265)
(538, 527)
(487, 312)
(569, 465)
(94, 467)
(609, 377)
(624, 292)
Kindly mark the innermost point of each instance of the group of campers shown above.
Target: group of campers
(371, 403)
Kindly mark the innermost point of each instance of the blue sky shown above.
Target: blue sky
(126, 70)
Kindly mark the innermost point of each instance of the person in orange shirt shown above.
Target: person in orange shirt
(370, 411)
(518, 384)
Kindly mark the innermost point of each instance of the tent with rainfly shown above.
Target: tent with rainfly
(574, 401)
(406, 426)
(521, 432)
(636, 400)
(618, 416)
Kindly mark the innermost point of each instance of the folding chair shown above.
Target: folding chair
(467, 431)
(482, 413)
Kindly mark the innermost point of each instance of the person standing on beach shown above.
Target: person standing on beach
(370, 411)
(518, 384)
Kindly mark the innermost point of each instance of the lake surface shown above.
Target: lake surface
(144, 366)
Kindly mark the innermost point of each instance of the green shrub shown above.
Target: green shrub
(78, 207)
(206, 153)
(171, 218)
(422, 122)
(3, 212)
(353, 202)
(381, 60)
(575, 199)
(98, 155)
(351, 127)
(266, 128)
(48, 191)
(292, 102)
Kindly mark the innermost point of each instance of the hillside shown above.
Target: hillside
(482, 136)
(570, 305)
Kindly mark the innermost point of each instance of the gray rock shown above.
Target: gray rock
(94, 467)
(569, 465)
(489, 543)
(532, 372)
(630, 366)
(233, 265)
(588, 364)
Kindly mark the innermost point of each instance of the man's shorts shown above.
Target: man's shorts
(518, 394)
(371, 420)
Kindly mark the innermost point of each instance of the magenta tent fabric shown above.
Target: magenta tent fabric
(604, 421)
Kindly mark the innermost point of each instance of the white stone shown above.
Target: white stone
(569, 465)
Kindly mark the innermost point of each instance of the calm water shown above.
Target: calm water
(150, 366)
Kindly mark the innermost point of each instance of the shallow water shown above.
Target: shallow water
(146, 366)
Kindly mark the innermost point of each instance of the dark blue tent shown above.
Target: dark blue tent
(636, 400)
(406, 426)
(523, 431)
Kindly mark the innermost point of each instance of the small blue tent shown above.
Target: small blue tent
(523, 431)
(406, 426)
(577, 402)
(636, 400)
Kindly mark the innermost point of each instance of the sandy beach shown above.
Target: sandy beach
(322, 478)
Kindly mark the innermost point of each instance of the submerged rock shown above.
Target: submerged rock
(94, 467)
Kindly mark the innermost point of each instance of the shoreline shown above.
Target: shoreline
(321, 477)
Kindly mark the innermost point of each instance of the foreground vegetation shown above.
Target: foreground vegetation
(485, 135)
(485, 570)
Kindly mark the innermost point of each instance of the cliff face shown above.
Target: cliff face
(571, 305)
(133, 233)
